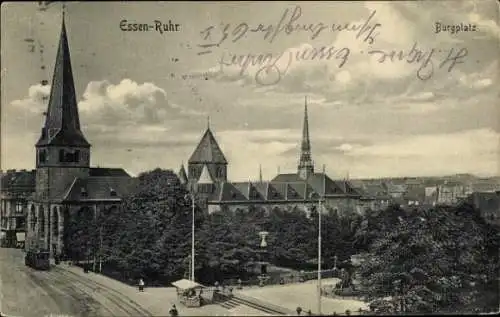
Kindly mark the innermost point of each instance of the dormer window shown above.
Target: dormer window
(233, 195)
(112, 192)
(83, 192)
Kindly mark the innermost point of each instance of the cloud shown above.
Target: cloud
(485, 25)
(127, 103)
(345, 147)
(370, 157)
(441, 147)
(34, 102)
(473, 151)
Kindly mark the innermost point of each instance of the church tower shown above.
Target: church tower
(62, 152)
(306, 165)
(209, 154)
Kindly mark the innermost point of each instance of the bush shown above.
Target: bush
(349, 291)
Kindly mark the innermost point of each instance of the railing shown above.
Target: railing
(283, 278)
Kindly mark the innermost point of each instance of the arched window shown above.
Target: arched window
(55, 222)
(42, 156)
(33, 217)
(41, 216)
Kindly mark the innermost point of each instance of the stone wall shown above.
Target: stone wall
(56, 180)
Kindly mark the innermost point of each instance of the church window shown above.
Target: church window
(83, 192)
(55, 222)
(112, 192)
(33, 217)
(42, 156)
(219, 172)
(69, 156)
(41, 216)
(19, 207)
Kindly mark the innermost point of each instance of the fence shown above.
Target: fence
(283, 278)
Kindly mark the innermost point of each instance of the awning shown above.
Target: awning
(186, 284)
(20, 236)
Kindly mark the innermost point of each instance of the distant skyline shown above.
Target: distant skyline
(366, 119)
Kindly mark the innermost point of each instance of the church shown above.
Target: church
(65, 183)
(206, 178)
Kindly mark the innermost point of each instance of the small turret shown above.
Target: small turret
(182, 175)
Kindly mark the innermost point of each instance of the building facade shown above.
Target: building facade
(64, 181)
(16, 188)
(206, 177)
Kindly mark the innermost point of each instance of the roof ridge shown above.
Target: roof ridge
(70, 188)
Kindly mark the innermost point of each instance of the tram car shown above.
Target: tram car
(39, 260)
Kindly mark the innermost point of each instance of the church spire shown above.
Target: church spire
(62, 122)
(260, 173)
(306, 165)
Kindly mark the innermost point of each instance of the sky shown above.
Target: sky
(145, 96)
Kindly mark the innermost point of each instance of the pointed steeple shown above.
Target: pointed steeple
(208, 150)
(182, 175)
(62, 122)
(260, 173)
(306, 165)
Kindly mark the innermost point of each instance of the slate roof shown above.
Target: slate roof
(208, 150)
(396, 188)
(283, 178)
(183, 175)
(295, 189)
(417, 194)
(103, 188)
(486, 202)
(111, 172)
(378, 191)
(18, 182)
(62, 123)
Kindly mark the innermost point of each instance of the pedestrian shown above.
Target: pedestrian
(309, 313)
(173, 311)
(141, 285)
(299, 310)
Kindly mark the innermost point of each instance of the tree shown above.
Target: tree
(80, 234)
(149, 235)
(441, 260)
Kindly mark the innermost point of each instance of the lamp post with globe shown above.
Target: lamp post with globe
(263, 252)
(192, 197)
(314, 196)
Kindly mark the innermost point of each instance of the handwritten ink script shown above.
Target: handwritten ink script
(272, 67)
(425, 59)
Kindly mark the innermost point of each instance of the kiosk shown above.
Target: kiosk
(188, 292)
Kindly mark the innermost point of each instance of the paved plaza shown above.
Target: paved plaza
(304, 295)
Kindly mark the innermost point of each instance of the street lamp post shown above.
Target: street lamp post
(192, 237)
(192, 196)
(319, 252)
(319, 256)
(263, 257)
